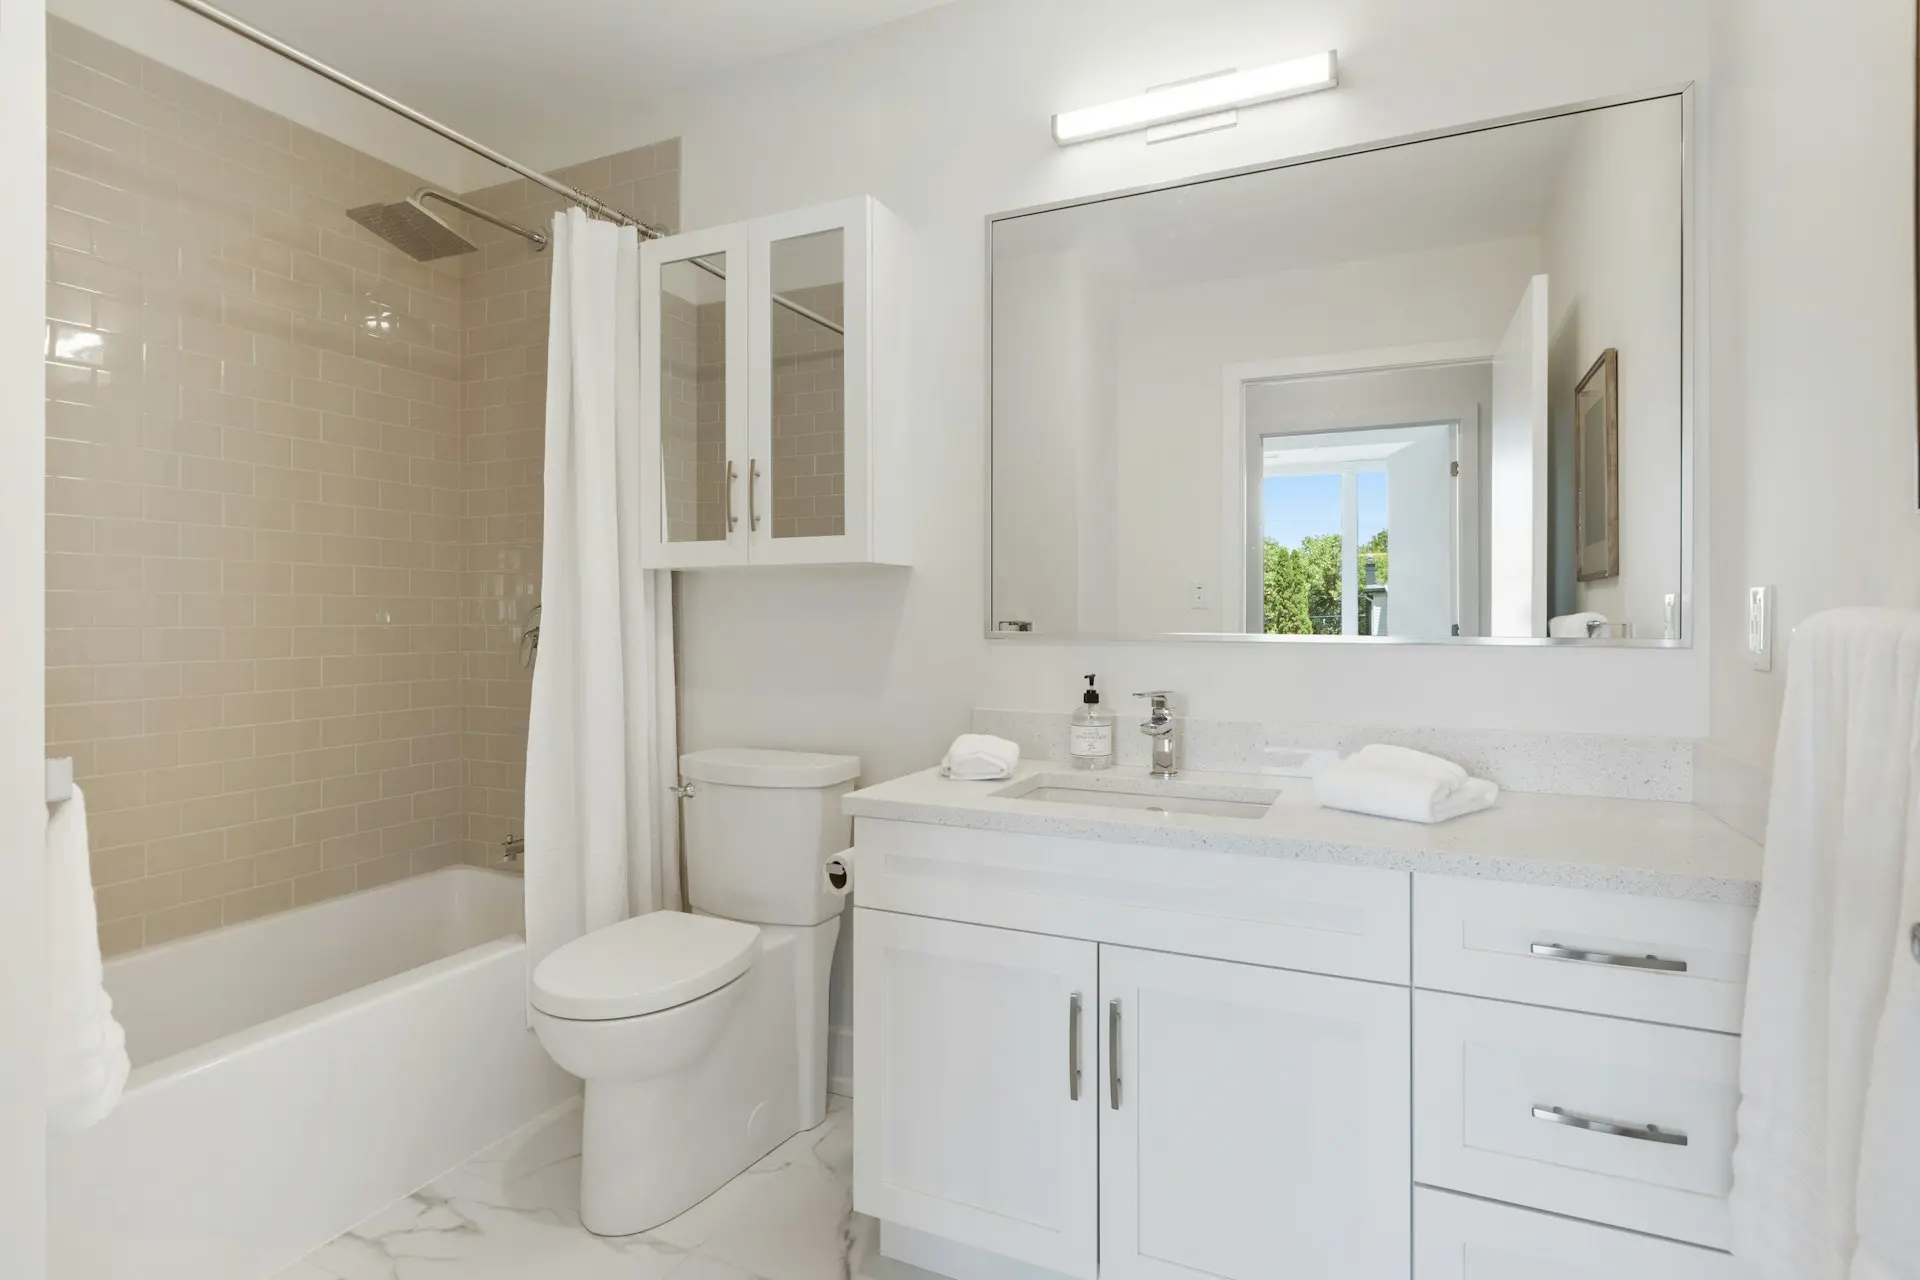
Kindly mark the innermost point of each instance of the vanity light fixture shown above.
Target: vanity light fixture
(1208, 96)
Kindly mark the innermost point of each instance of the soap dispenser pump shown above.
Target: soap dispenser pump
(1090, 737)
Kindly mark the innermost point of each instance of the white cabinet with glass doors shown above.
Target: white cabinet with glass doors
(772, 371)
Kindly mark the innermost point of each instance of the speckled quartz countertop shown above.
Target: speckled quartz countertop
(1657, 848)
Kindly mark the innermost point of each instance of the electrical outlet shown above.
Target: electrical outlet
(1760, 628)
(1199, 598)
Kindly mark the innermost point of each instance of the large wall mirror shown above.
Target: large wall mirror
(1429, 392)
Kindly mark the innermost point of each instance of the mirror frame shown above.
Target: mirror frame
(1692, 340)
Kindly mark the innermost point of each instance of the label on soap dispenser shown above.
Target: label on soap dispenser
(1090, 741)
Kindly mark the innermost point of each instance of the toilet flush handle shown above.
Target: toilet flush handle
(684, 790)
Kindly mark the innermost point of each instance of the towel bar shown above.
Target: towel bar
(60, 780)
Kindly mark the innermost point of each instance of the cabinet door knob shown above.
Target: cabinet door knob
(1073, 1047)
(1113, 1054)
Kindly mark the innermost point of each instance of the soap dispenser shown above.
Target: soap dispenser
(1090, 737)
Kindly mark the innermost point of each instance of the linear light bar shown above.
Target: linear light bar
(1199, 98)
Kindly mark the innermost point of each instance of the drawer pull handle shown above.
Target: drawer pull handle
(1073, 1047)
(1592, 1124)
(1554, 951)
(1113, 1054)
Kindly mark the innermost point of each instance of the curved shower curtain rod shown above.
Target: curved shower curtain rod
(598, 208)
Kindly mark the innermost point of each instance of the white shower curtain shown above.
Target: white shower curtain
(602, 831)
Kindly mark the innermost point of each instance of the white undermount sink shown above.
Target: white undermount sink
(1141, 795)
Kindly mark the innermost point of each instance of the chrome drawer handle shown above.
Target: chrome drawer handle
(1073, 1047)
(1592, 1124)
(1554, 951)
(1113, 1054)
(733, 476)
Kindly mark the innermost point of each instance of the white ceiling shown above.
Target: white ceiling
(514, 74)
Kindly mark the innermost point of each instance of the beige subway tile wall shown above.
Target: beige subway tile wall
(278, 514)
(254, 496)
(503, 426)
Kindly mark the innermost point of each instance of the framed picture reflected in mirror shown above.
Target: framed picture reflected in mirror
(1596, 426)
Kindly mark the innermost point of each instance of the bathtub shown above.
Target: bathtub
(294, 1074)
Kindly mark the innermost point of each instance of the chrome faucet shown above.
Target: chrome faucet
(1159, 726)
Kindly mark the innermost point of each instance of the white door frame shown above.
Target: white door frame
(23, 468)
(1233, 450)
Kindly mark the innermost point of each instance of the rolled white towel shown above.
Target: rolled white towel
(1408, 760)
(980, 757)
(1572, 626)
(1391, 789)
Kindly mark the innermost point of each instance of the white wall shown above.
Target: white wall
(944, 117)
(1613, 254)
(1053, 541)
(1813, 328)
(187, 42)
(1175, 346)
(23, 813)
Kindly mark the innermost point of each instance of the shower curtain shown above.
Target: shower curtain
(602, 833)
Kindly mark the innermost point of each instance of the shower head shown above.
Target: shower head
(412, 228)
(419, 233)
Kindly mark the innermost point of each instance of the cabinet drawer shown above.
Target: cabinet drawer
(1350, 922)
(1655, 959)
(1616, 1122)
(1457, 1238)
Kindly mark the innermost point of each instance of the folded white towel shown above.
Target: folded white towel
(1390, 786)
(980, 757)
(86, 1049)
(1416, 762)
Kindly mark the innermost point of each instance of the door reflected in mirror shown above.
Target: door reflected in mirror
(1428, 392)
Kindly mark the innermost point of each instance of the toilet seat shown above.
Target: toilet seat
(643, 965)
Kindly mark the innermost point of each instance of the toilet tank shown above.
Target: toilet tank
(759, 824)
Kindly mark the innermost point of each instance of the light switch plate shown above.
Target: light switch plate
(1760, 628)
(1198, 597)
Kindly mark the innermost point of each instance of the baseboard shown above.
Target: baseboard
(840, 1061)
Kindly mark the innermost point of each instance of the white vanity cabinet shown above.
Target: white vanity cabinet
(772, 412)
(1118, 1060)
(1102, 1110)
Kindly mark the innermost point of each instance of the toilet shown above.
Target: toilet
(702, 1035)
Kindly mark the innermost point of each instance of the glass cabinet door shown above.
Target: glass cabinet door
(808, 467)
(807, 443)
(693, 408)
(693, 399)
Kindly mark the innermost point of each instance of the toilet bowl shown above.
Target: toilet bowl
(701, 1036)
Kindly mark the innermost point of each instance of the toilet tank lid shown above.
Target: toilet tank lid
(751, 767)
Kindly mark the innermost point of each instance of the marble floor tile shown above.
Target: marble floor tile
(513, 1212)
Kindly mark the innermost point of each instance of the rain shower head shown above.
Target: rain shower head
(418, 232)
(412, 228)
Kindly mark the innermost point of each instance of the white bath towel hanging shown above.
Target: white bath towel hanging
(602, 830)
(86, 1049)
(1826, 1167)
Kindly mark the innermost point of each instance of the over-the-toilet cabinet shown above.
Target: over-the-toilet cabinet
(772, 364)
(1103, 1110)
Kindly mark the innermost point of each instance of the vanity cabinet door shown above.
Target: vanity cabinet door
(969, 1121)
(1260, 1123)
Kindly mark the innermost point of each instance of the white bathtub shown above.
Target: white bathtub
(294, 1074)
